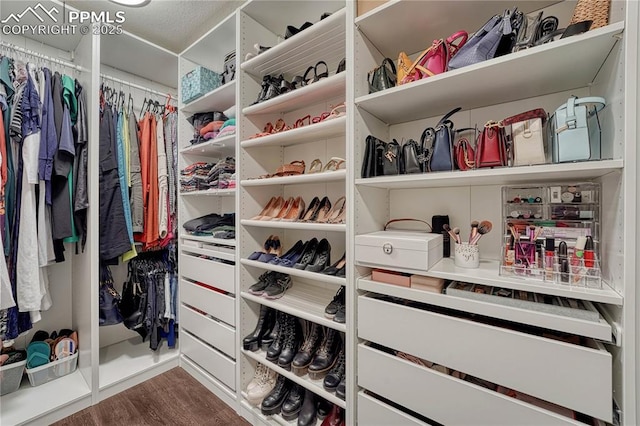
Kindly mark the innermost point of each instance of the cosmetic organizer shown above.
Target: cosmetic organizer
(552, 233)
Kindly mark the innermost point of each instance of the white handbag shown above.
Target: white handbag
(527, 136)
(576, 130)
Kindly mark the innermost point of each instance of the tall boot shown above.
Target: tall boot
(269, 338)
(326, 356)
(265, 322)
(273, 352)
(313, 334)
(292, 342)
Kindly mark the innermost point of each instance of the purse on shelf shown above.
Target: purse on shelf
(491, 148)
(109, 299)
(373, 156)
(463, 151)
(382, 77)
(391, 159)
(412, 158)
(527, 136)
(575, 130)
(133, 304)
(438, 142)
(482, 45)
(434, 60)
(513, 23)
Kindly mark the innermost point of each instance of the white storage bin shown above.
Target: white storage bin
(11, 376)
(51, 371)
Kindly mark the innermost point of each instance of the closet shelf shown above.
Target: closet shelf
(315, 276)
(304, 301)
(497, 176)
(225, 146)
(487, 274)
(597, 330)
(568, 64)
(314, 386)
(268, 420)
(324, 130)
(209, 240)
(219, 99)
(303, 226)
(323, 41)
(415, 32)
(29, 403)
(212, 192)
(298, 179)
(313, 93)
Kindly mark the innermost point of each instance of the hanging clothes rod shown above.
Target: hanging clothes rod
(137, 86)
(42, 56)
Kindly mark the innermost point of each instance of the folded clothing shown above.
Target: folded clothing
(209, 222)
(214, 126)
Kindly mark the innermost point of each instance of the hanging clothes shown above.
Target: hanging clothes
(48, 146)
(163, 183)
(81, 182)
(137, 207)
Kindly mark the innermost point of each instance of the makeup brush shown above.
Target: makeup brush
(474, 230)
(447, 228)
(457, 232)
(484, 228)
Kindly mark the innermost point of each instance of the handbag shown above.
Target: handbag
(109, 299)
(575, 129)
(432, 61)
(373, 156)
(491, 150)
(382, 77)
(482, 45)
(513, 23)
(438, 142)
(412, 158)
(133, 304)
(527, 136)
(464, 154)
(391, 159)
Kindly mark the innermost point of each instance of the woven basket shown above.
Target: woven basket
(592, 10)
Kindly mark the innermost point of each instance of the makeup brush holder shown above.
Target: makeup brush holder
(467, 256)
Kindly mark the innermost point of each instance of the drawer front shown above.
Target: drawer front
(218, 335)
(209, 272)
(216, 304)
(372, 412)
(572, 376)
(208, 358)
(440, 397)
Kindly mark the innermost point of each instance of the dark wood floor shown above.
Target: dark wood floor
(172, 398)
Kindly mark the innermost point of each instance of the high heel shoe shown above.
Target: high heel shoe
(308, 254)
(275, 250)
(334, 164)
(322, 212)
(270, 205)
(289, 254)
(336, 212)
(265, 249)
(322, 257)
(284, 211)
(290, 260)
(315, 203)
(296, 211)
(333, 269)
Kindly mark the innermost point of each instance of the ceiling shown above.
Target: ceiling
(172, 24)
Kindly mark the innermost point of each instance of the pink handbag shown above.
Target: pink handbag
(434, 60)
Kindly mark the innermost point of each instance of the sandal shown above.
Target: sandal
(322, 75)
(334, 164)
(300, 121)
(316, 166)
(293, 168)
(280, 126)
(268, 129)
(337, 111)
(320, 118)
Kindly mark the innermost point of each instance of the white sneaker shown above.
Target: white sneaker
(262, 387)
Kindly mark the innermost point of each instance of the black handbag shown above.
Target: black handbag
(412, 158)
(133, 304)
(391, 159)
(439, 142)
(382, 77)
(109, 299)
(374, 150)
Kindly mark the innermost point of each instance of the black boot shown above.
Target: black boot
(265, 322)
(269, 338)
(273, 352)
(335, 376)
(308, 413)
(313, 334)
(293, 404)
(271, 403)
(291, 345)
(326, 356)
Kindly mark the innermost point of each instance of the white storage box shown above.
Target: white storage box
(45, 373)
(11, 376)
(410, 251)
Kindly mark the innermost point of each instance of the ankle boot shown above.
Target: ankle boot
(335, 376)
(293, 403)
(273, 352)
(272, 402)
(326, 356)
(336, 418)
(292, 342)
(313, 334)
(324, 407)
(269, 338)
(308, 414)
(265, 322)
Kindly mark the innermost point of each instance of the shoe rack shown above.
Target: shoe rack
(466, 335)
(207, 266)
(263, 23)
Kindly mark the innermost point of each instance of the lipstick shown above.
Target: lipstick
(549, 251)
(589, 255)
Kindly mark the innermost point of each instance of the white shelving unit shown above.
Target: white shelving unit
(208, 310)
(601, 62)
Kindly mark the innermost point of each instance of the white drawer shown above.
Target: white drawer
(372, 412)
(440, 397)
(218, 365)
(216, 274)
(217, 334)
(569, 375)
(216, 304)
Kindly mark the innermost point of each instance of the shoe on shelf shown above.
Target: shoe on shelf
(313, 335)
(275, 203)
(291, 30)
(288, 255)
(326, 356)
(308, 254)
(309, 413)
(292, 341)
(335, 376)
(335, 418)
(324, 407)
(322, 258)
(292, 405)
(337, 213)
(272, 335)
(272, 403)
(275, 249)
(305, 79)
(262, 384)
(341, 316)
(252, 341)
(288, 205)
(265, 249)
(333, 269)
(263, 282)
(338, 300)
(277, 340)
(342, 388)
(322, 212)
(315, 204)
(277, 289)
(342, 65)
(296, 211)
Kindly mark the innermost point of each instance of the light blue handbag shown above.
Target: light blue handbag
(576, 130)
